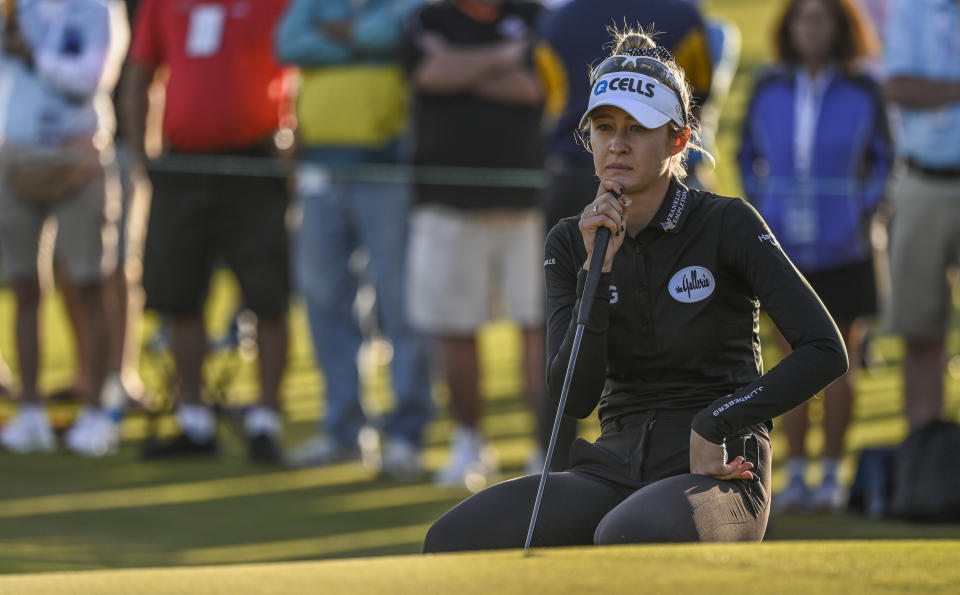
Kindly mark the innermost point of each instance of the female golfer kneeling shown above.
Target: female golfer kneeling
(671, 352)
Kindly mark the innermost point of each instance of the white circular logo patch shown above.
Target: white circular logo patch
(691, 284)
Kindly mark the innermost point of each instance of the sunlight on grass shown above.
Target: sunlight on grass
(314, 547)
(181, 493)
(852, 568)
(380, 499)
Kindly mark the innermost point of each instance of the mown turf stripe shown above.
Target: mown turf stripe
(180, 493)
(850, 568)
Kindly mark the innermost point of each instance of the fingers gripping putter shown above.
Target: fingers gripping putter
(589, 291)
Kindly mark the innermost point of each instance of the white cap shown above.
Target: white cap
(650, 102)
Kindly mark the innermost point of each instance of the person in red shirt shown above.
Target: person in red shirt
(224, 99)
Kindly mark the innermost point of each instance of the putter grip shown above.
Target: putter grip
(593, 274)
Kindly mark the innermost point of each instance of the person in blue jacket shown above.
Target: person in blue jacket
(814, 158)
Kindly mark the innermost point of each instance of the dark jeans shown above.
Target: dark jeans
(632, 485)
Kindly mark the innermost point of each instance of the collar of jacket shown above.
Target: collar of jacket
(674, 209)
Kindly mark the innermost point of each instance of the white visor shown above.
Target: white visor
(650, 102)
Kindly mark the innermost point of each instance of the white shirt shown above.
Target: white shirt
(810, 92)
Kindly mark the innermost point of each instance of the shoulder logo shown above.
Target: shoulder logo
(600, 88)
(676, 209)
(691, 284)
(767, 236)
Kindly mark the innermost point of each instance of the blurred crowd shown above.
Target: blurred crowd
(147, 143)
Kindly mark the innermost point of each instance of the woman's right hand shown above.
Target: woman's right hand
(608, 210)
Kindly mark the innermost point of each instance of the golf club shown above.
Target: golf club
(589, 289)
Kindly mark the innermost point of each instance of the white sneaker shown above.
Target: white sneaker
(114, 397)
(321, 450)
(93, 434)
(795, 498)
(401, 460)
(471, 465)
(829, 497)
(368, 439)
(28, 431)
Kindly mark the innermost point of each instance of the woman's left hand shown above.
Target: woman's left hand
(707, 458)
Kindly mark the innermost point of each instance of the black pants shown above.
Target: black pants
(632, 485)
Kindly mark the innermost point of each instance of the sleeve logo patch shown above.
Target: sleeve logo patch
(692, 284)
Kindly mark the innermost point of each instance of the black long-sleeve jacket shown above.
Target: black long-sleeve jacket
(675, 324)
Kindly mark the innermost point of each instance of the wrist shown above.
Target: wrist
(703, 425)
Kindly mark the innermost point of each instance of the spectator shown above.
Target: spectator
(342, 45)
(922, 63)
(477, 103)
(62, 58)
(576, 33)
(224, 97)
(815, 154)
(122, 291)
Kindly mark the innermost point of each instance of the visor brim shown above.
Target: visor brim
(646, 115)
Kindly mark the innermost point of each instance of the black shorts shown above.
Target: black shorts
(849, 291)
(200, 220)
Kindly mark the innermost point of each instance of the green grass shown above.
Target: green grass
(61, 513)
(840, 567)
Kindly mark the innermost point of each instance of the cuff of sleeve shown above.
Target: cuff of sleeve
(599, 310)
(707, 425)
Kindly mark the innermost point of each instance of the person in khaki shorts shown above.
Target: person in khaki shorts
(60, 59)
(924, 82)
(478, 102)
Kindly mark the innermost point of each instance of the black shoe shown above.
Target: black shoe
(262, 448)
(180, 446)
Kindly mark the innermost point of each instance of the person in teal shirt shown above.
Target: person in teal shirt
(352, 111)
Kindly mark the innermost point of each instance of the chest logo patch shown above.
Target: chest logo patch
(692, 284)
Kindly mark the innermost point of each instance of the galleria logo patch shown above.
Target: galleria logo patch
(691, 284)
